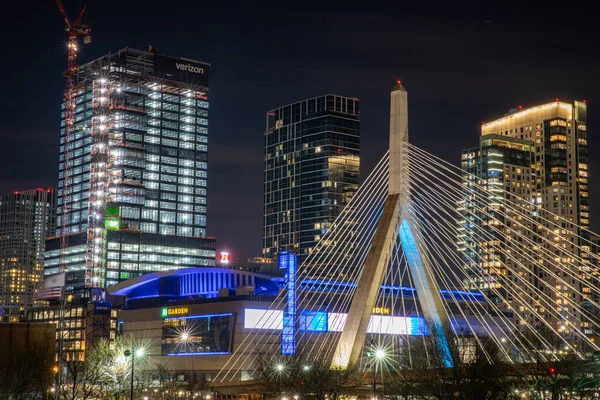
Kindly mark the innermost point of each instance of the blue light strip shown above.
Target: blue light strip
(419, 276)
(150, 296)
(289, 261)
(198, 316)
(210, 353)
(390, 287)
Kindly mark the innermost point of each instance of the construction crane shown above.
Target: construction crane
(74, 28)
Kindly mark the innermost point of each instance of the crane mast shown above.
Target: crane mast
(75, 28)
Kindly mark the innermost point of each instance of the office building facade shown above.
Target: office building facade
(132, 171)
(26, 219)
(498, 164)
(311, 170)
(554, 137)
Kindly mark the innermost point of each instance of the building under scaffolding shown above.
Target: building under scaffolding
(132, 171)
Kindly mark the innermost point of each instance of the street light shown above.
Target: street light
(133, 355)
(378, 356)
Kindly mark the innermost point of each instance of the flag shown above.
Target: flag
(48, 293)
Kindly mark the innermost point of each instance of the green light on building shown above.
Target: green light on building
(113, 211)
(113, 220)
(112, 224)
(165, 312)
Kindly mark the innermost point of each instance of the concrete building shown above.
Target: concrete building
(26, 219)
(311, 166)
(132, 171)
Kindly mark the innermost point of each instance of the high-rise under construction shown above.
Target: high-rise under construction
(132, 171)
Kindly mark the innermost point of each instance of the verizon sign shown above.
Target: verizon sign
(181, 70)
(189, 68)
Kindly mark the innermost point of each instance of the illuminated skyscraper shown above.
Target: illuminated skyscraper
(132, 171)
(26, 218)
(312, 159)
(538, 155)
(498, 163)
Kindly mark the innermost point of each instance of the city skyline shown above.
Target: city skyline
(460, 70)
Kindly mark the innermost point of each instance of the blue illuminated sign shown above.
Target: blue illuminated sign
(289, 261)
(314, 321)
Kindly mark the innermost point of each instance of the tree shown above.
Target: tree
(27, 368)
(89, 379)
(309, 379)
(569, 377)
(479, 371)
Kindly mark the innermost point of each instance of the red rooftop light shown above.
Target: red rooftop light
(519, 107)
(557, 99)
(399, 81)
(584, 101)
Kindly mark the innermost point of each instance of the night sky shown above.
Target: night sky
(460, 65)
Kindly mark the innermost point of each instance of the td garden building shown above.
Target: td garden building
(192, 320)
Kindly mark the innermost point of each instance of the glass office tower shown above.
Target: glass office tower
(26, 219)
(311, 166)
(132, 171)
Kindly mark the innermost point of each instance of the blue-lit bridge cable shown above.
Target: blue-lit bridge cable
(545, 251)
(446, 281)
(339, 223)
(477, 309)
(453, 170)
(448, 238)
(517, 260)
(514, 260)
(365, 240)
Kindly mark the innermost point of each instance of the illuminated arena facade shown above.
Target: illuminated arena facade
(193, 319)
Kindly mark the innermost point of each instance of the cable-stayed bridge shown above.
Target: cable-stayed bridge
(428, 252)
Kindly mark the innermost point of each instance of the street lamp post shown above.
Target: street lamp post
(377, 357)
(133, 354)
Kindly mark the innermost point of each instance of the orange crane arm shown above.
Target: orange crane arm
(79, 17)
(64, 14)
